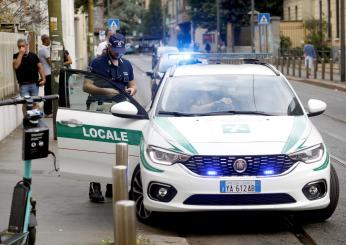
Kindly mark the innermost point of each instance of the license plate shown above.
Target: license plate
(240, 186)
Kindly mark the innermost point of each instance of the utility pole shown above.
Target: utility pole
(90, 29)
(252, 26)
(320, 21)
(217, 24)
(57, 57)
(342, 40)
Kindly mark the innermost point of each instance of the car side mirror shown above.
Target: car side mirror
(149, 73)
(124, 109)
(316, 107)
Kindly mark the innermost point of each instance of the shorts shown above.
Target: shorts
(28, 89)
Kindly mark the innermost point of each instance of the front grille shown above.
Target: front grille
(223, 165)
(239, 199)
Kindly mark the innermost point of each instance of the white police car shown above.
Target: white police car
(216, 137)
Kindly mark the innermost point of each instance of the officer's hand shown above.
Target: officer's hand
(110, 91)
(130, 91)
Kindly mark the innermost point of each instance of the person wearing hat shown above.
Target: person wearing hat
(110, 65)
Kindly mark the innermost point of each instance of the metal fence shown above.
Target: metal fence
(8, 46)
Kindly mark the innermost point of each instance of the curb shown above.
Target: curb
(320, 83)
(160, 240)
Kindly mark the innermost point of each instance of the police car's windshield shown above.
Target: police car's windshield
(227, 94)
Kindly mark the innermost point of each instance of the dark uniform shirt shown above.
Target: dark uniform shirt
(27, 72)
(121, 74)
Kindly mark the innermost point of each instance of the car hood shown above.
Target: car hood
(238, 134)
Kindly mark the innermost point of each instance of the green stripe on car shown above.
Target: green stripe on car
(324, 164)
(145, 162)
(299, 125)
(168, 127)
(101, 134)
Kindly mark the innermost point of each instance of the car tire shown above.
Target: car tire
(321, 215)
(136, 194)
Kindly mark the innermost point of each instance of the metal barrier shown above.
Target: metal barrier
(124, 217)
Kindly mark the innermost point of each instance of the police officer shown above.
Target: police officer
(112, 66)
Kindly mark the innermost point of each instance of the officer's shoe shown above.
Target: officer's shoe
(109, 192)
(95, 193)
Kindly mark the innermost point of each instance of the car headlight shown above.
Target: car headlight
(309, 155)
(165, 157)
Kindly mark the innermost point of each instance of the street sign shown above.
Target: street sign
(113, 24)
(263, 18)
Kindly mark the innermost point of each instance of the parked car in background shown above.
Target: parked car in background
(129, 48)
(167, 60)
(159, 51)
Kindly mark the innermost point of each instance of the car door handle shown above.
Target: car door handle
(71, 122)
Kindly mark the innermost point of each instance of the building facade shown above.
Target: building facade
(327, 10)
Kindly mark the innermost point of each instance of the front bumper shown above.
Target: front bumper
(188, 184)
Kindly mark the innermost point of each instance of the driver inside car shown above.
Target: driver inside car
(206, 103)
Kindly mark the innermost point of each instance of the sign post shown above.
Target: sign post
(113, 24)
(263, 22)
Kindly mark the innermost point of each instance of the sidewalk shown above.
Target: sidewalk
(341, 86)
(64, 213)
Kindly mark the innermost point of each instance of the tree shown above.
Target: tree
(30, 16)
(152, 21)
(128, 12)
(203, 12)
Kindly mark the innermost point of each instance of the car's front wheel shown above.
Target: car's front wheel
(321, 215)
(143, 214)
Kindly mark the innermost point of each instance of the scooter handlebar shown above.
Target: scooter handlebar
(25, 100)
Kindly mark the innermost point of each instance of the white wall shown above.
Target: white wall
(81, 41)
(68, 29)
(10, 117)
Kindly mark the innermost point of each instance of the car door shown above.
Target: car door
(87, 131)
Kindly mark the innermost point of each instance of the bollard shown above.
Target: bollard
(294, 66)
(323, 68)
(315, 68)
(282, 64)
(331, 69)
(121, 150)
(288, 66)
(307, 68)
(120, 184)
(120, 190)
(125, 223)
(300, 67)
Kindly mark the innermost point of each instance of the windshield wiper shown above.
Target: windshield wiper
(236, 113)
(176, 113)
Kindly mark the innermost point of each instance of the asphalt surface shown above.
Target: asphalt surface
(66, 216)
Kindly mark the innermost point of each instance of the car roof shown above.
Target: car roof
(222, 69)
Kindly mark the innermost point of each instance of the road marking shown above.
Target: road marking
(298, 231)
(338, 160)
(334, 118)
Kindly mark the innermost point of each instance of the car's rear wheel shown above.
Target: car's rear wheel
(321, 215)
(143, 214)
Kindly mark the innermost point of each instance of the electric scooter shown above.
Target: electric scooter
(22, 224)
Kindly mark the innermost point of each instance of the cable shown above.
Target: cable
(54, 158)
